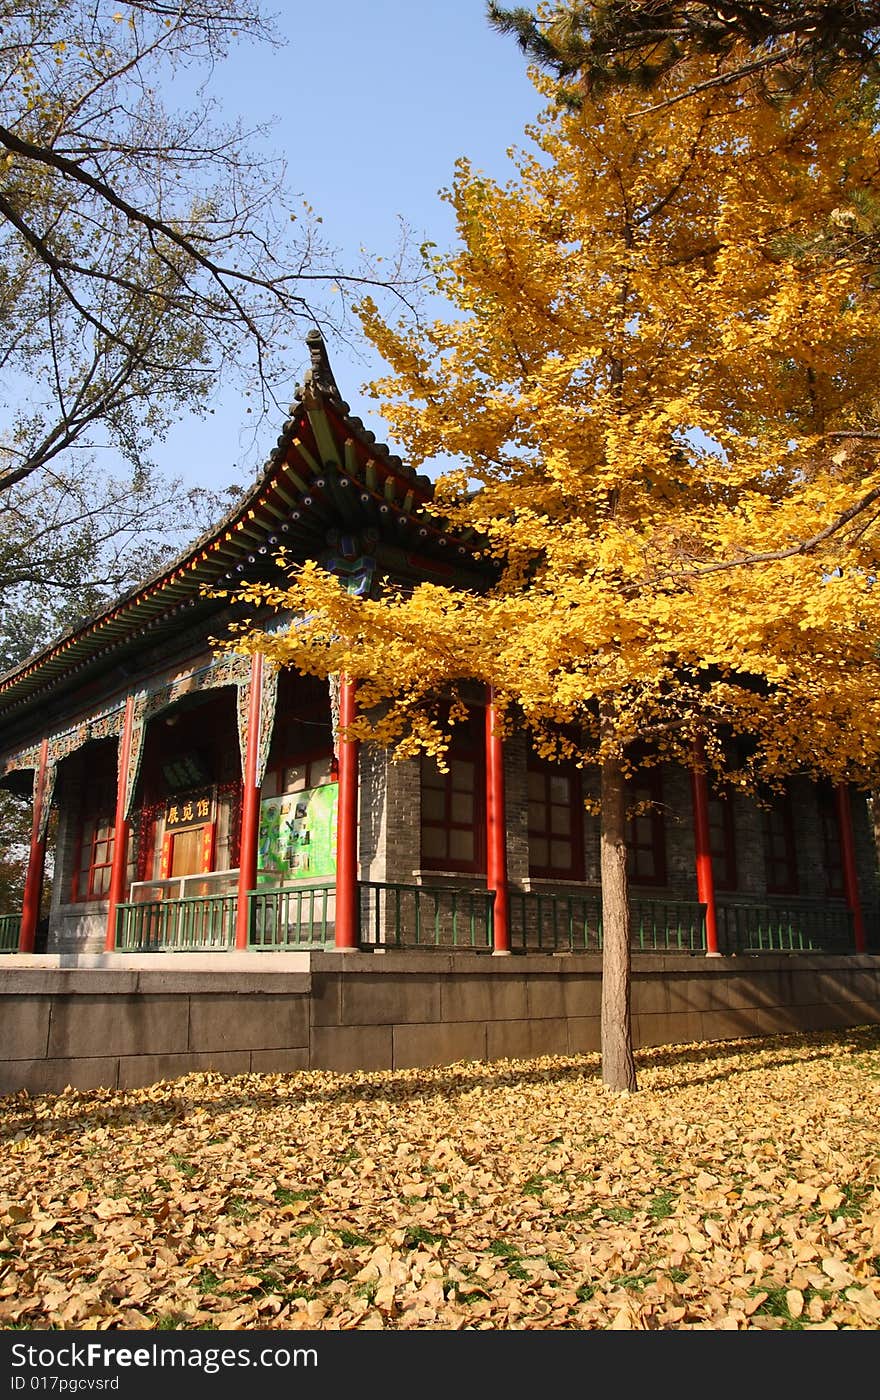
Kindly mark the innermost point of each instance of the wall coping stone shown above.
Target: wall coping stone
(233, 961)
(279, 973)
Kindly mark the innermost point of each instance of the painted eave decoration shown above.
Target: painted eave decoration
(326, 483)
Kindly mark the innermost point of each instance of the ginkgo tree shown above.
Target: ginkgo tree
(658, 372)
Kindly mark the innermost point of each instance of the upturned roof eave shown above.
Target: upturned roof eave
(219, 551)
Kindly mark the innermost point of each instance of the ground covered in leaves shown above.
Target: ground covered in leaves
(736, 1190)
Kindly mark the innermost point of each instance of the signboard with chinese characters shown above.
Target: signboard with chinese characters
(189, 809)
(298, 835)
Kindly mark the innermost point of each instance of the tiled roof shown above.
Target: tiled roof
(327, 476)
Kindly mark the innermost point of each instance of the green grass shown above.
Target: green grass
(662, 1205)
(635, 1281)
(776, 1305)
(537, 1184)
(854, 1197)
(284, 1197)
(238, 1207)
(418, 1234)
(171, 1322)
(352, 1239)
(185, 1167)
(511, 1256)
(208, 1281)
(619, 1214)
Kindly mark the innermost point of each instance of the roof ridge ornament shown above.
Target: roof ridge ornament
(319, 379)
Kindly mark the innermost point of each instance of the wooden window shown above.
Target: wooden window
(452, 805)
(832, 854)
(310, 772)
(556, 848)
(646, 839)
(96, 840)
(722, 842)
(301, 754)
(780, 857)
(92, 879)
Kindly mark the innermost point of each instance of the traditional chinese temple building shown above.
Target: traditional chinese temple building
(216, 846)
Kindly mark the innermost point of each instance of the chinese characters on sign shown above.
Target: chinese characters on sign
(189, 809)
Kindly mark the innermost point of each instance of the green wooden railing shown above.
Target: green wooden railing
(10, 924)
(543, 921)
(292, 916)
(424, 916)
(205, 924)
(432, 916)
(668, 926)
(792, 925)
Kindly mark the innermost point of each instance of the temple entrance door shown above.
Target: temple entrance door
(186, 852)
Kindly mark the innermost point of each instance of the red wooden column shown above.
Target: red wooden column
(33, 885)
(347, 922)
(703, 850)
(120, 828)
(496, 830)
(250, 807)
(850, 873)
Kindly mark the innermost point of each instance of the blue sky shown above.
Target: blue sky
(373, 104)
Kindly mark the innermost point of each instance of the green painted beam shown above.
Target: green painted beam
(351, 459)
(326, 443)
(311, 462)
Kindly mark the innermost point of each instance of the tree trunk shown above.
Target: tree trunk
(618, 1063)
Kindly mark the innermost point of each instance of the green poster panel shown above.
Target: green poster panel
(298, 836)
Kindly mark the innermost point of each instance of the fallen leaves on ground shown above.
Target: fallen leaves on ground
(737, 1190)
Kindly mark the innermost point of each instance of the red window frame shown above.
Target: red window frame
(780, 852)
(722, 841)
(459, 810)
(95, 860)
(95, 842)
(646, 832)
(544, 813)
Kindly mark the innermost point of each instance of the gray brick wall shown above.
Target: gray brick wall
(516, 808)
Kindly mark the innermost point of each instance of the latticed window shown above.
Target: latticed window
(831, 848)
(555, 827)
(296, 777)
(646, 829)
(452, 805)
(722, 842)
(92, 880)
(780, 856)
(96, 837)
(97, 829)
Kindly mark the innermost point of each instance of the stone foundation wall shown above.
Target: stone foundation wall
(116, 1021)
